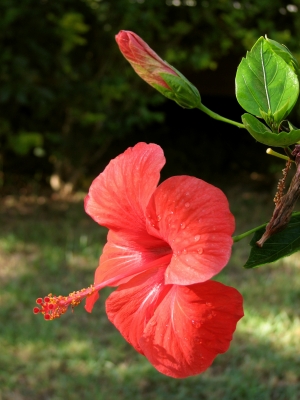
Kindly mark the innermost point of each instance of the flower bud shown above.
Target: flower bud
(157, 72)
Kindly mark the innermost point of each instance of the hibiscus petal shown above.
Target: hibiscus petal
(180, 329)
(119, 195)
(190, 327)
(123, 257)
(194, 218)
(131, 306)
(90, 301)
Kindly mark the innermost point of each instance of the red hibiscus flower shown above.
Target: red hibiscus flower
(164, 244)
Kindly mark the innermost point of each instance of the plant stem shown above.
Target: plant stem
(218, 117)
(274, 153)
(245, 234)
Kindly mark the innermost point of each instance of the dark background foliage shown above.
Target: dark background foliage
(70, 101)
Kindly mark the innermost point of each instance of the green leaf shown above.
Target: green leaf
(281, 113)
(264, 135)
(285, 54)
(264, 81)
(280, 245)
(291, 126)
(268, 117)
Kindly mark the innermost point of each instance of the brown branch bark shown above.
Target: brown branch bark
(284, 206)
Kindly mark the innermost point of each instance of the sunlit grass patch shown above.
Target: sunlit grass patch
(280, 330)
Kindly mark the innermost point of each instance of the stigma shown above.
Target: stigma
(52, 306)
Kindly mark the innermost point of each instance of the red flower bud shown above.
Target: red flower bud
(157, 72)
(146, 63)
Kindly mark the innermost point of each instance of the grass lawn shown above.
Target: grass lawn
(52, 246)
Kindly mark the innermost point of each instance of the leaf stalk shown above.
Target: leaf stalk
(214, 115)
(237, 238)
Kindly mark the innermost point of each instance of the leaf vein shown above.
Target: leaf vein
(265, 77)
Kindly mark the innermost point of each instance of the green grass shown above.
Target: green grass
(52, 246)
